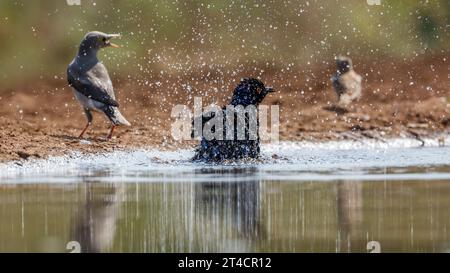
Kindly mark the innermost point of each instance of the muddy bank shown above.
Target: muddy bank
(400, 99)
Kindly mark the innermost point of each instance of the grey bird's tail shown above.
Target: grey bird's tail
(116, 117)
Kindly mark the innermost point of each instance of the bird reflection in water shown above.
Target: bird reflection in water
(349, 214)
(237, 204)
(226, 216)
(94, 225)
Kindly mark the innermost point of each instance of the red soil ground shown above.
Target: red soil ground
(400, 98)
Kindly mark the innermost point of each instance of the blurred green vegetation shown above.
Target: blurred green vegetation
(39, 38)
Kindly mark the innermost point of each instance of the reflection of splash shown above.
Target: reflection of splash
(239, 201)
(349, 212)
(95, 223)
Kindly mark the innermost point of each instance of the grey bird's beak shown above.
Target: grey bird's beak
(112, 36)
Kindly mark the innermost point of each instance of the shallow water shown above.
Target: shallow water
(300, 197)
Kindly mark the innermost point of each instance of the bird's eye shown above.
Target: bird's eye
(104, 39)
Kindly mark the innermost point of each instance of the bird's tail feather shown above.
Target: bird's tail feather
(116, 117)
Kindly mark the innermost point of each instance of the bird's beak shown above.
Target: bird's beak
(270, 90)
(112, 36)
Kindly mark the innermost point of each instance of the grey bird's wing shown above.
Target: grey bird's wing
(94, 84)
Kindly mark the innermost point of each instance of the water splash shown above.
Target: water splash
(296, 161)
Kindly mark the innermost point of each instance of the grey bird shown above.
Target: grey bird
(91, 83)
(346, 82)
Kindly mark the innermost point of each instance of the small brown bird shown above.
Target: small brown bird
(346, 82)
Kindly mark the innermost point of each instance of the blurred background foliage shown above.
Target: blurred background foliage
(39, 38)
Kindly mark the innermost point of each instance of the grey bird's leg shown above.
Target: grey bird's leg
(89, 118)
(111, 132)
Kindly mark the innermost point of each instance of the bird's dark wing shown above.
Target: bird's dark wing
(202, 119)
(91, 88)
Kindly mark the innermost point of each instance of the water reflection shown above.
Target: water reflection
(349, 212)
(255, 215)
(94, 225)
(238, 202)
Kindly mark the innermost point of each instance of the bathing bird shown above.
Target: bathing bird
(91, 83)
(249, 92)
(346, 82)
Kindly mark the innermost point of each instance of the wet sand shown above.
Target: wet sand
(400, 98)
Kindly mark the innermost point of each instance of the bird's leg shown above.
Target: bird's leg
(89, 118)
(111, 132)
(85, 129)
